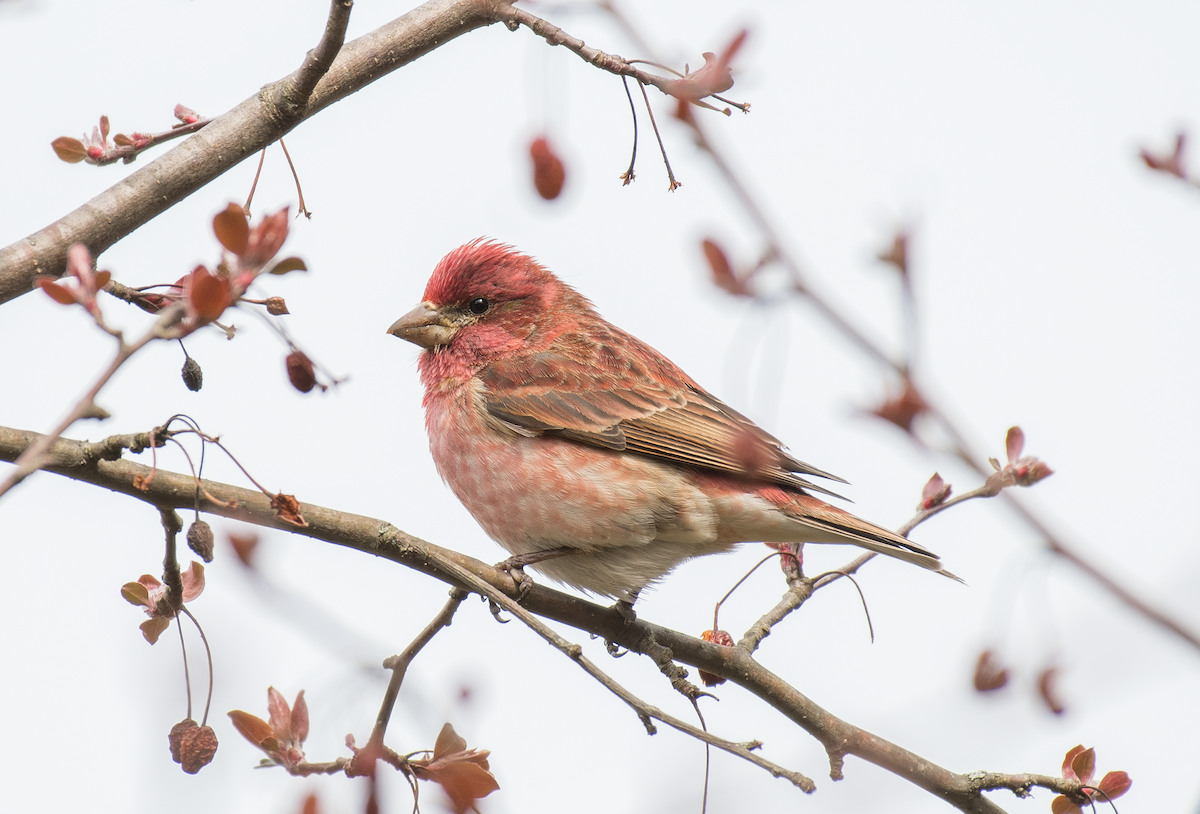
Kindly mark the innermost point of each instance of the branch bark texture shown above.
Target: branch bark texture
(238, 134)
(101, 464)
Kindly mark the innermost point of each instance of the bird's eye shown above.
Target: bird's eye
(478, 306)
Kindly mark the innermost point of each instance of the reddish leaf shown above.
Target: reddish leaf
(135, 593)
(309, 806)
(934, 493)
(1061, 805)
(288, 264)
(193, 581)
(1171, 164)
(69, 149)
(722, 272)
(713, 77)
(254, 729)
(232, 228)
(280, 714)
(903, 409)
(102, 278)
(186, 114)
(1014, 444)
(244, 546)
(265, 240)
(1067, 771)
(209, 294)
(1048, 690)
(104, 128)
(462, 773)
(58, 292)
(989, 673)
(1115, 784)
(548, 170)
(153, 628)
(300, 718)
(122, 140)
(1083, 766)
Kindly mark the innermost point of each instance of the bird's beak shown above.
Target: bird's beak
(424, 325)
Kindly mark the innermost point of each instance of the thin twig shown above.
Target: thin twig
(302, 209)
(31, 460)
(262, 156)
(399, 664)
(627, 176)
(673, 184)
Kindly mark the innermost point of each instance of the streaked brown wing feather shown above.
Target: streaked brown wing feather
(590, 393)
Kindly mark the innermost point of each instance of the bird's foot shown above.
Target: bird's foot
(516, 569)
(624, 609)
(514, 566)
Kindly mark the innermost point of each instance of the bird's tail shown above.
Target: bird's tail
(828, 524)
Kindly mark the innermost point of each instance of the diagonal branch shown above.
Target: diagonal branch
(98, 464)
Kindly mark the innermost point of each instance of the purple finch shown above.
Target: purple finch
(588, 454)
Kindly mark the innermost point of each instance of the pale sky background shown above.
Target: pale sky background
(1058, 287)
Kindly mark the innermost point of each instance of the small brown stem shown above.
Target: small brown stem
(672, 183)
(399, 664)
(208, 653)
(172, 525)
(129, 152)
(262, 156)
(299, 192)
(627, 176)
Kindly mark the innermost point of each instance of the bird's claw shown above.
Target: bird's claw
(515, 568)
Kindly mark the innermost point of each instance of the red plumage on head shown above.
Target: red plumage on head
(494, 271)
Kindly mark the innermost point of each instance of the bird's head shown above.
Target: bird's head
(486, 299)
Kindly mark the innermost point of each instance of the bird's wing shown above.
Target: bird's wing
(635, 401)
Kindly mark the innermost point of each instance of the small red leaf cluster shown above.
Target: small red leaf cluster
(95, 148)
(88, 282)
(186, 115)
(989, 673)
(1080, 764)
(463, 773)
(896, 254)
(1171, 164)
(282, 738)
(192, 746)
(244, 546)
(151, 594)
(934, 493)
(248, 252)
(549, 174)
(1020, 471)
(714, 77)
(902, 409)
(724, 275)
(722, 638)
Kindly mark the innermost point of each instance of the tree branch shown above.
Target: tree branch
(238, 134)
(95, 464)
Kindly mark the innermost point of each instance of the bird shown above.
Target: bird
(587, 454)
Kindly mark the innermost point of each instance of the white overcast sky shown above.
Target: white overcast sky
(1058, 288)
